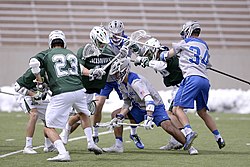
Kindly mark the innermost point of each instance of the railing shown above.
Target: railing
(225, 23)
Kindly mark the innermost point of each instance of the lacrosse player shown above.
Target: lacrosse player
(116, 28)
(172, 76)
(142, 102)
(33, 101)
(193, 61)
(93, 55)
(64, 75)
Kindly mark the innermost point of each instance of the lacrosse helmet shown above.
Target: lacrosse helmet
(57, 36)
(116, 27)
(99, 36)
(188, 28)
(119, 69)
(150, 49)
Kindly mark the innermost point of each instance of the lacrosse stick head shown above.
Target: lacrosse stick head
(137, 35)
(150, 48)
(90, 50)
(188, 28)
(57, 37)
(120, 69)
(116, 28)
(99, 36)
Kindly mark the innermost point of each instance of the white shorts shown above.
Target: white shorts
(60, 106)
(26, 105)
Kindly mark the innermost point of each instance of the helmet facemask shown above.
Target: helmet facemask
(99, 36)
(116, 28)
(119, 69)
(150, 50)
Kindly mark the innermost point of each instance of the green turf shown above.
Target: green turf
(233, 127)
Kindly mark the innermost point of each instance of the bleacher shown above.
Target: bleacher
(225, 23)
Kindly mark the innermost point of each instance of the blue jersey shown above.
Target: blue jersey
(193, 53)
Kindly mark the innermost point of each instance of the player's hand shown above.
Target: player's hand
(96, 73)
(118, 119)
(148, 122)
(142, 61)
(124, 51)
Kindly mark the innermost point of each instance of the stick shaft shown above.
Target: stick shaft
(234, 77)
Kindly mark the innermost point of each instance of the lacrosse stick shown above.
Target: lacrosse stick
(135, 36)
(111, 126)
(7, 93)
(90, 50)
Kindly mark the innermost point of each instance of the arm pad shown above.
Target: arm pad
(20, 89)
(150, 105)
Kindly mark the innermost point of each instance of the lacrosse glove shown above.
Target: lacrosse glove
(148, 122)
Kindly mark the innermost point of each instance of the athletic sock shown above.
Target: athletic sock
(88, 133)
(187, 129)
(119, 141)
(95, 131)
(28, 142)
(47, 142)
(133, 130)
(216, 135)
(60, 146)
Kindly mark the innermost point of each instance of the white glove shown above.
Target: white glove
(96, 73)
(118, 119)
(142, 61)
(35, 65)
(37, 98)
(124, 51)
(157, 65)
(148, 122)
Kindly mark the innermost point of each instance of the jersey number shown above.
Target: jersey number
(198, 58)
(61, 62)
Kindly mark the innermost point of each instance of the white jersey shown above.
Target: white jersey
(136, 89)
(194, 56)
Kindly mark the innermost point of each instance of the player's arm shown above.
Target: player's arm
(35, 69)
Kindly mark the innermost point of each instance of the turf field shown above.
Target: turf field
(233, 127)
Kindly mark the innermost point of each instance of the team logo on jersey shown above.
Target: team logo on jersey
(100, 60)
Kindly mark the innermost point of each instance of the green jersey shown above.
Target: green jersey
(27, 79)
(175, 74)
(95, 61)
(62, 68)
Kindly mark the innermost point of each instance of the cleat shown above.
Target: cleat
(51, 148)
(189, 140)
(94, 148)
(61, 158)
(221, 143)
(172, 146)
(193, 151)
(137, 141)
(95, 139)
(29, 150)
(113, 149)
(64, 135)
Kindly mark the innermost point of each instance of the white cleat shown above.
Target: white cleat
(61, 158)
(29, 150)
(64, 135)
(193, 151)
(113, 149)
(51, 148)
(94, 148)
(172, 145)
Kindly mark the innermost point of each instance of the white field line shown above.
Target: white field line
(71, 139)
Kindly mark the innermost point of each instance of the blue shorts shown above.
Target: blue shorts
(159, 114)
(193, 88)
(109, 86)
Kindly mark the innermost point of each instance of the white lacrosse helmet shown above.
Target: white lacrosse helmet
(116, 27)
(188, 28)
(148, 51)
(119, 69)
(57, 34)
(99, 36)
